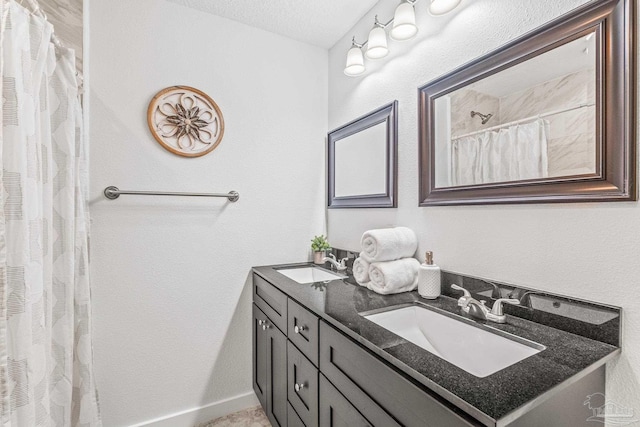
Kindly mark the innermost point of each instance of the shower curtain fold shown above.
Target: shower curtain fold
(46, 368)
(509, 154)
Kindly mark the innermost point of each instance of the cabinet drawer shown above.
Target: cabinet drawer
(302, 386)
(271, 301)
(302, 330)
(363, 378)
(293, 419)
(336, 411)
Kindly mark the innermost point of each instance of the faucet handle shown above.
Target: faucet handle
(333, 256)
(460, 288)
(463, 301)
(497, 306)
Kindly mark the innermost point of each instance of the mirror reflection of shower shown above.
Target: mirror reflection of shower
(484, 117)
(532, 120)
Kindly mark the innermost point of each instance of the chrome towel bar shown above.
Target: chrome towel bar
(113, 193)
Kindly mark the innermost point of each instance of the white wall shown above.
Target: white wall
(170, 275)
(587, 250)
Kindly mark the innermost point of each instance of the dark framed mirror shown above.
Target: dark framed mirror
(549, 117)
(362, 161)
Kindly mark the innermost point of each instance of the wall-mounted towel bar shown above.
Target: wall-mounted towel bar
(113, 193)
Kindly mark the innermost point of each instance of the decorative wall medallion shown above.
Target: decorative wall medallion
(185, 121)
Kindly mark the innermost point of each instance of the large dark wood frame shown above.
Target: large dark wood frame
(385, 114)
(615, 178)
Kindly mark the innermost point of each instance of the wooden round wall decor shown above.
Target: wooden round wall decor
(185, 121)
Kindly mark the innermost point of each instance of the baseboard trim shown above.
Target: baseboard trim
(205, 413)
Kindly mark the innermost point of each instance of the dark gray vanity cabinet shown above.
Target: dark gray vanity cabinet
(308, 374)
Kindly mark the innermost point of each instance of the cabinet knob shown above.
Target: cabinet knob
(298, 387)
(299, 329)
(265, 326)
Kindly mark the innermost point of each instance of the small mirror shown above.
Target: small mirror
(546, 118)
(362, 161)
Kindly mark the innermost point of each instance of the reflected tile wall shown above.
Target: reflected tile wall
(564, 92)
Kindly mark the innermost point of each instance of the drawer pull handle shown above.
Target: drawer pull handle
(265, 326)
(298, 387)
(299, 329)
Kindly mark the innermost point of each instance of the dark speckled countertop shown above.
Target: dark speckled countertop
(500, 396)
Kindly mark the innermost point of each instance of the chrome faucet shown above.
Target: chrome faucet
(479, 310)
(340, 266)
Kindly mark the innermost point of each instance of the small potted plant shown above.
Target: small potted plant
(320, 246)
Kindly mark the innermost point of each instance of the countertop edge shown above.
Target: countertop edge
(521, 410)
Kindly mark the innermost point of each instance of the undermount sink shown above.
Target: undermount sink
(469, 347)
(309, 274)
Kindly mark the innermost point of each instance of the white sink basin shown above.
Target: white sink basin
(309, 274)
(465, 345)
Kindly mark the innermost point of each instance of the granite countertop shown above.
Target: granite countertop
(501, 396)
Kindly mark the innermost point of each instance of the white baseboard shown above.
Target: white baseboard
(205, 413)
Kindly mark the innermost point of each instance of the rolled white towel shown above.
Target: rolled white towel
(388, 244)
(393, 277)
(361, 271)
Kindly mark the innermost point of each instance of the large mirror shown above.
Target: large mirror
(362, 161)
(547, 118)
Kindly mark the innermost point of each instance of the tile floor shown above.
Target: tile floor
(252, 417)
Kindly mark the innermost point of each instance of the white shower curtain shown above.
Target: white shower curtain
(46, 372)
(510, 154)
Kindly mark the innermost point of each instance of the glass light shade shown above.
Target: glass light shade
(440, 7)
(377, 44)
(404, 22)
(355, 62)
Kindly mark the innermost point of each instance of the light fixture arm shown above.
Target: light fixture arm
(377, 23)
(354, 43)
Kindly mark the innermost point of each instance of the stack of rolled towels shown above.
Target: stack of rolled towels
(386, 264)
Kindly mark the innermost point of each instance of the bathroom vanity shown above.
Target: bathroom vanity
(321, 357)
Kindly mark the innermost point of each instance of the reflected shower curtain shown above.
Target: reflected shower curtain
(510, 154)
(46, 372)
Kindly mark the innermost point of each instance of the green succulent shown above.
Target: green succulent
(320, 243)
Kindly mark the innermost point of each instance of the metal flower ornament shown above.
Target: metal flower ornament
(185, 121)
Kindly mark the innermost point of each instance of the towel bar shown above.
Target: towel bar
(113, 193)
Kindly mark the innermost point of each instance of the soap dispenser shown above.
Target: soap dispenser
(429, 278)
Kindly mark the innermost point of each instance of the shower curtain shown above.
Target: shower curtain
(46, 372)
(510, 154)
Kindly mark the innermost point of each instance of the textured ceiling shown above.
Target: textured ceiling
(318, 22)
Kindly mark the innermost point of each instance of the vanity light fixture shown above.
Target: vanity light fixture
(355, 59)
(404, 28)
(404, 22)
(440, 7)
(377, 42)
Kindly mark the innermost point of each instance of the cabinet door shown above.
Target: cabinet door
(335, 409)
(276, 376)
(293, 418)
(260, 356)
(302, 390)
